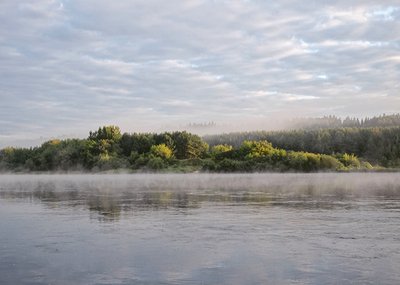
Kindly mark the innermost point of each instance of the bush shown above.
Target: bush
(140, 161)
(156, 163)
(220, 150)
(209, 165)
(161, 151)
(229, 165)
(349, 160)
(329, 162)
(112, 163)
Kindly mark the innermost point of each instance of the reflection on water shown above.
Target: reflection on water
(110, 205)
(200, 229)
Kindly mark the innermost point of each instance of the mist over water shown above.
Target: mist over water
(313, 185)
(322, 228)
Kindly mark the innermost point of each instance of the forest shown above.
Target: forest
(332, 122)
(108, 149)
(376, 140)
(365, 147)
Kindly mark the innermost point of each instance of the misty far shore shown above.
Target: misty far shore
(326, 144)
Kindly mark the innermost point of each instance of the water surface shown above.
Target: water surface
(200, 229)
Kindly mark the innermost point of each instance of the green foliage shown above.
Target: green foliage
(109, 133)
(71, 154)
(13, 158)
(262, 156)
(106, 149)
(110, 163)
(377, 145)
(161, 151)
(330, 162)
(349, 160)
(256, 149)
(140, 161)
(217, 150)
(366, 165)
(229, 165)
(304, 161)
(187, 146)
(156, 163)
(209, 165)
(103, 147)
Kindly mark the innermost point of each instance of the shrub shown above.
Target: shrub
(156, 163)
(161, 151)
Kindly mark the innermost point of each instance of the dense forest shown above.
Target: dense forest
(380, 146)
(332, 122)
(109, 149)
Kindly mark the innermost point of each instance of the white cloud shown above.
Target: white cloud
(385, 14)
(322, 76)
(297, 97)
(260, 93)
(354, 44)
(74, 65)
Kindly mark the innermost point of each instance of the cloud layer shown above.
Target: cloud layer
(67, 66)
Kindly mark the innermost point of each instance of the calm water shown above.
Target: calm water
(200, 229)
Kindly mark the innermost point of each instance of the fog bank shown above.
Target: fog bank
(314, 184)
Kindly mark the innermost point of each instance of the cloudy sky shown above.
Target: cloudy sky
(68, 66)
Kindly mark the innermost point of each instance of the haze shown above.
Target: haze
(314, 185)
(67, 67)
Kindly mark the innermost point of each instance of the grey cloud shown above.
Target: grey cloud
(68, 66)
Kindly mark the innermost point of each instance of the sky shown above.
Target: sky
(69, 66)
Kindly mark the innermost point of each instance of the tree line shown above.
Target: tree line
(330, 122)
(108, 149)
(379, 146)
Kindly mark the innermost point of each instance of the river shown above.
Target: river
(320, 228)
